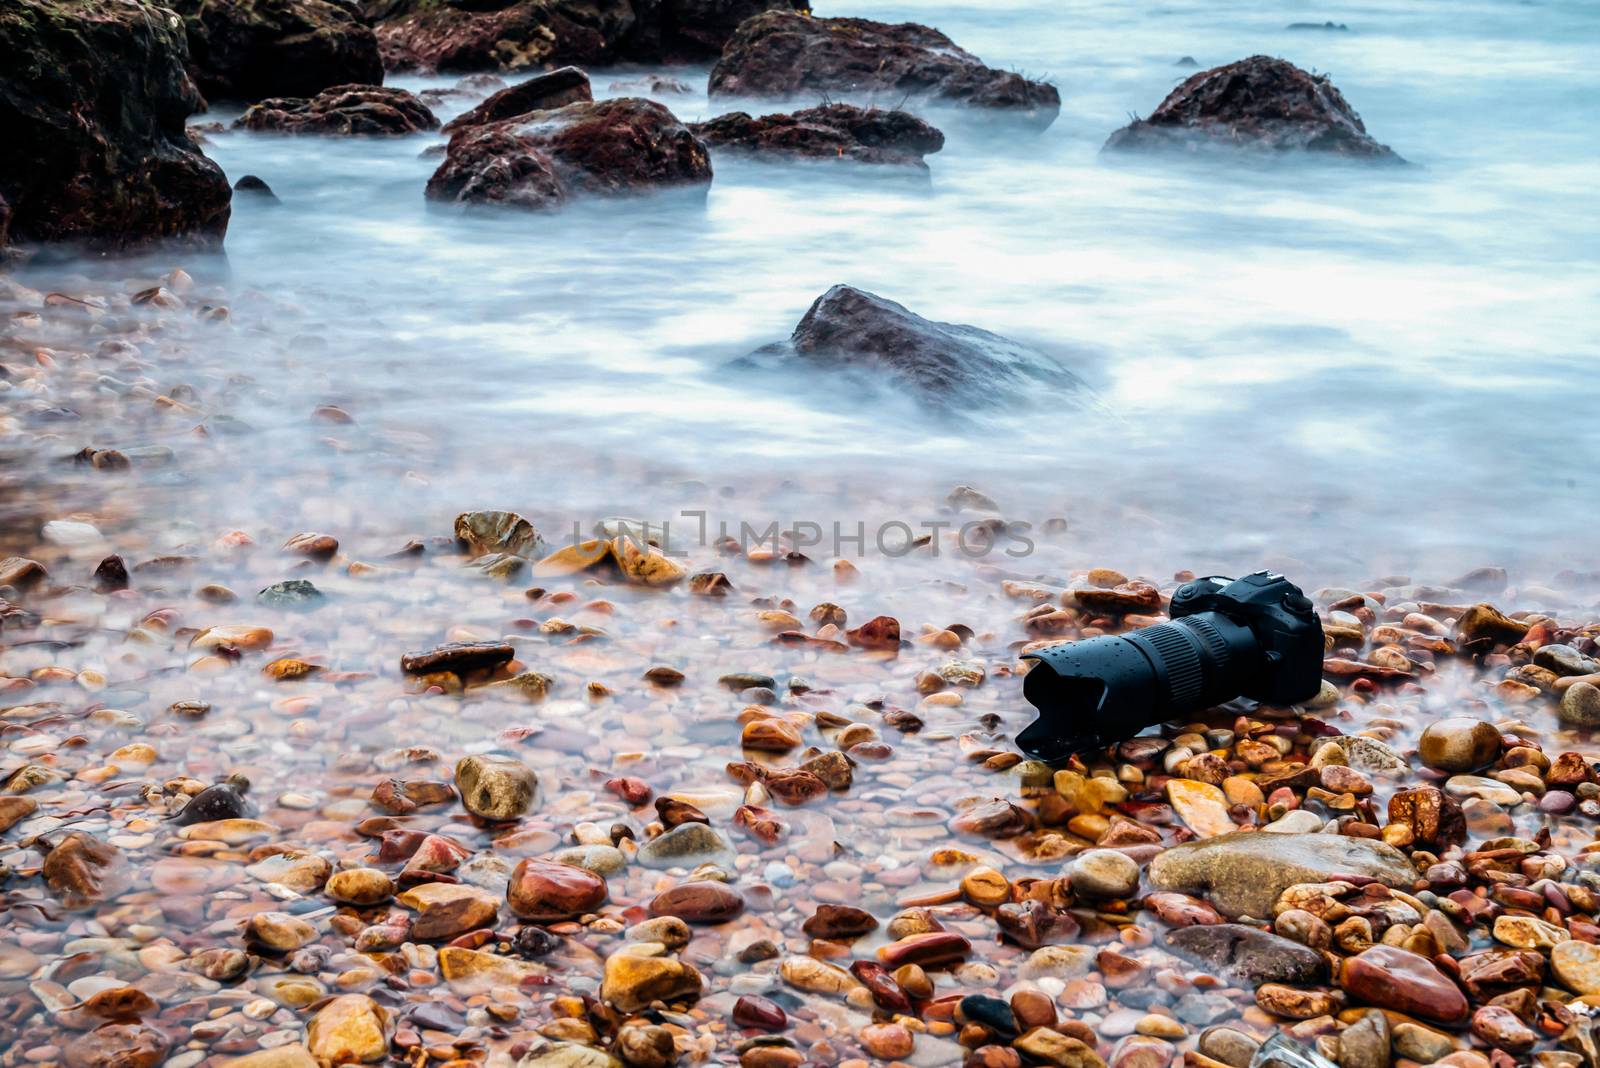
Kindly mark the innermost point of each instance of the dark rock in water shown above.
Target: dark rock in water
(783, 55)
(254, 49)
(457, 656)
(833, 132)
(847, 329)
(344, 109)
(220, 801)
(1257, 103)
(92, 110)
(257, 188)
(601, 148)
(992, 1012)
(1337, 27)
(111, 575)
(293, 593)
(1187, 61)
(530, 34)
(491, 165)
(1249, 954)
(569, 85)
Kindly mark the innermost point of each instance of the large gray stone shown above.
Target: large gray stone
(1243, 873)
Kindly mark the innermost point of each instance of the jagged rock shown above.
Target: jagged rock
(782, 54)
(344, 109)
(847, 329)
(601, 148)
(1258, 103)
(832, 132)
(546, 92)
(92, 112)
(254, 49)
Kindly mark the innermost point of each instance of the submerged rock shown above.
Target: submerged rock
(1248, 954)
(833, 132)
(253, 49)
(92, 120)
(82, 871)
(546, 92)
(848, 329)
(344, 109)
(1243, 873)
(256, 187)
(221, 801)
(599, 148)
(782, 54)
(1258, 103)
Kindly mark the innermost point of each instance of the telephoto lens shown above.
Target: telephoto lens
(1255, 637)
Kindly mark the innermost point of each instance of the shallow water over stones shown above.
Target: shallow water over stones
(759, 801)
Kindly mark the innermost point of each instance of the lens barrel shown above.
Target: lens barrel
(1102, 689)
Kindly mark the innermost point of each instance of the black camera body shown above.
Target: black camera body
(1257, 637)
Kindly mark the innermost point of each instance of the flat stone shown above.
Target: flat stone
(457, 656)
(1243, 873)
(293, 1055)
(1576, 966)
(446, 910)
(1249, 955)
(1202, 807)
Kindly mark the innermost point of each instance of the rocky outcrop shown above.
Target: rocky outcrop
(529, 34)
(254, 49)
(345, 109)
(558, 88)
(833, 132)
(93, 98)
(1260, 103)
(782, 54)
(616, 147)
(853, 331)
(526, 35)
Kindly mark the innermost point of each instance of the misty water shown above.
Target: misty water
(1355, 370)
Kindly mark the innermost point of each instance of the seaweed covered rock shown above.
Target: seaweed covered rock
(831, 132)
(849, 330)
(529, 34)
(1259, 103)
(92, 106)
(254, 49)
(594, 148)
(544, 92)
(345, 109)
(782, 54)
